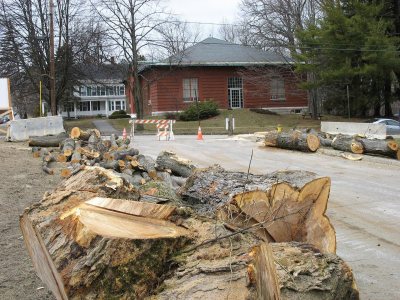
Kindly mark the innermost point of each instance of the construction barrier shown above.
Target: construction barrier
(369, 130)
(163, 135)
(21, 130)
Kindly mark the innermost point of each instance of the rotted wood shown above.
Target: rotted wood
(291, 205)
(294, 140)
(47, 141)
(168, 160)
(388, 147)
(347, 143)
(90, 154)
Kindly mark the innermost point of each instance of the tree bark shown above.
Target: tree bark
(388, 148)
(295, 140)
(348, 144)
(47, 141)
(67, 147)
(167, 160)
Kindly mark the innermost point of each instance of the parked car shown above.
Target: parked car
(392, 126)
(4, 119)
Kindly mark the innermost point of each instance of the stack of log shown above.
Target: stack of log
(221, 235)
(310, 141)
(87, 148)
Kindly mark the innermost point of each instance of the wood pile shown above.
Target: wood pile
(309, 140)
(184, 233)
(87, 148)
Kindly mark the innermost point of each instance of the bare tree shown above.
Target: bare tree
(131, 25)
(275, 22)
(177, 36)
(238, 33)
(25, 47)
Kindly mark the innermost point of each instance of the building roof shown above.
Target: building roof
(216, 52)
(103, 72)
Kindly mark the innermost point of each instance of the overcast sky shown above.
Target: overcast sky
(211, 11)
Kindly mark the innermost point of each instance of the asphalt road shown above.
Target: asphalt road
(364, 204)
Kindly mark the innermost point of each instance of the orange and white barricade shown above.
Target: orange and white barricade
(164, 128)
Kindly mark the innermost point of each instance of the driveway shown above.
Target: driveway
(364, 204)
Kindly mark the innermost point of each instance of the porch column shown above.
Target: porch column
(75, 109)
(107, 108)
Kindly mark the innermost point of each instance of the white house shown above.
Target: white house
(101, 93)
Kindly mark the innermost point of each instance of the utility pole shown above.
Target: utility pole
(53, 102)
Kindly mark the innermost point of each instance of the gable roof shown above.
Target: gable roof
(103, 72)
(216, 52)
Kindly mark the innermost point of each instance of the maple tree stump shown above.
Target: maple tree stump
(290, 204)
(86, 246)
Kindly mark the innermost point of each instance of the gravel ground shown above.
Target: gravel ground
(22, 183)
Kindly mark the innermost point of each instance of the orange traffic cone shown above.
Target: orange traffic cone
(124, 134)
(199, 135)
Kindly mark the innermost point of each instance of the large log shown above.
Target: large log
(388, 148)
(67, 147)
(147, 164)
(47, 141)
(290, 205)
(86, 247)
(168, 160)
(348, 144)
(294, 140)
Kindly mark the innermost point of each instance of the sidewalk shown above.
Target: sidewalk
(105, 127)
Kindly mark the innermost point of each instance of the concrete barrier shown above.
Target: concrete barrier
(376, 131)
(21, 130)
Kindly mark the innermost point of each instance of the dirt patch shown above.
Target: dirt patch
(22, 183)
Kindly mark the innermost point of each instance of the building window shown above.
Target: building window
(111, 106)
(235, 83)
(122, 90)
(84, 106)
(118, 105)
(190, 89)
(277, 89)
(82, 91)
(95, 105)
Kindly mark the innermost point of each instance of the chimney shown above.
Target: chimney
(112, 60)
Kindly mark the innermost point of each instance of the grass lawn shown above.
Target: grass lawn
(245, 122)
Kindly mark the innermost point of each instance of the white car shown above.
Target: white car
(392, 126)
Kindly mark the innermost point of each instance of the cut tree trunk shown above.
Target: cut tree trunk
(348, 144)
(222, 270)
(47, 141)
(148, 165)
(167, 160)
(290, 205)
(84, 247)
(67, 147)
(83, 135)
(294, 140)
(388, 148)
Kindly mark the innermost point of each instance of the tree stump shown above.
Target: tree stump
(290, 205)
(83, 246)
